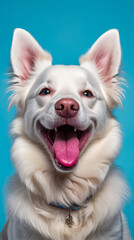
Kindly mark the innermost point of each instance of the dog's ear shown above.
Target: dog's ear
(27, 60)
(26, 53)
(105, 56)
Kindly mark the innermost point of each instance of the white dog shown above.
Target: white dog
(66, 186)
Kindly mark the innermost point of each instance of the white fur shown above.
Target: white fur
(37, 183)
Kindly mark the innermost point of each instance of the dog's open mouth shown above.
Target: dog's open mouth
(65, 144)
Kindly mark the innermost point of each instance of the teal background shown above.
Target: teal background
(67, 29)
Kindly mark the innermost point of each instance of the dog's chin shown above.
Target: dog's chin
(64, 144)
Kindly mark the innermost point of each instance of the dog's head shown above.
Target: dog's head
(65, 107)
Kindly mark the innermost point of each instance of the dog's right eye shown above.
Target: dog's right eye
(44, 91)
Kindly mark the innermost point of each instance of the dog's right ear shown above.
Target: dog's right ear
(26, 53)
(27, 58)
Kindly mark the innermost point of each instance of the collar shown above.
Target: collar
(72, 206)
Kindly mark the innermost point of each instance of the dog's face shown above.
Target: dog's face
(65, 108)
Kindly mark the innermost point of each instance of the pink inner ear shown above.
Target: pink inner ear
(28, 57)
(103, 61)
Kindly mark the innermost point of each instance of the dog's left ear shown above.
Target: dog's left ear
(105, 55)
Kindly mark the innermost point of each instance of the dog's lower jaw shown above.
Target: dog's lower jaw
(31, 160)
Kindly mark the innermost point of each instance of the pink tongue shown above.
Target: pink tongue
(66, 147)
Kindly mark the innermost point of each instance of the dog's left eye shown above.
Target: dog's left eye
(88, 94)
(44, 91)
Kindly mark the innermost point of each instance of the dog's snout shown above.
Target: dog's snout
(66, 107)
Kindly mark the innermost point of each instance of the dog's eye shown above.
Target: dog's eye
(88, 94)
(44, 91)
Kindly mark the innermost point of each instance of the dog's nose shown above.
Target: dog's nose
(66, 107)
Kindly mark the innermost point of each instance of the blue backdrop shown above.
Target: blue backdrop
(67, 28)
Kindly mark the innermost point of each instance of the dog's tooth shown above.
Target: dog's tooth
(75, 129)
(56, 130)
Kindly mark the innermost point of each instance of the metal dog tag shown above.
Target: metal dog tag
(69, 220)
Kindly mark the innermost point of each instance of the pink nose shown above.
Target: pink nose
(66, 107)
